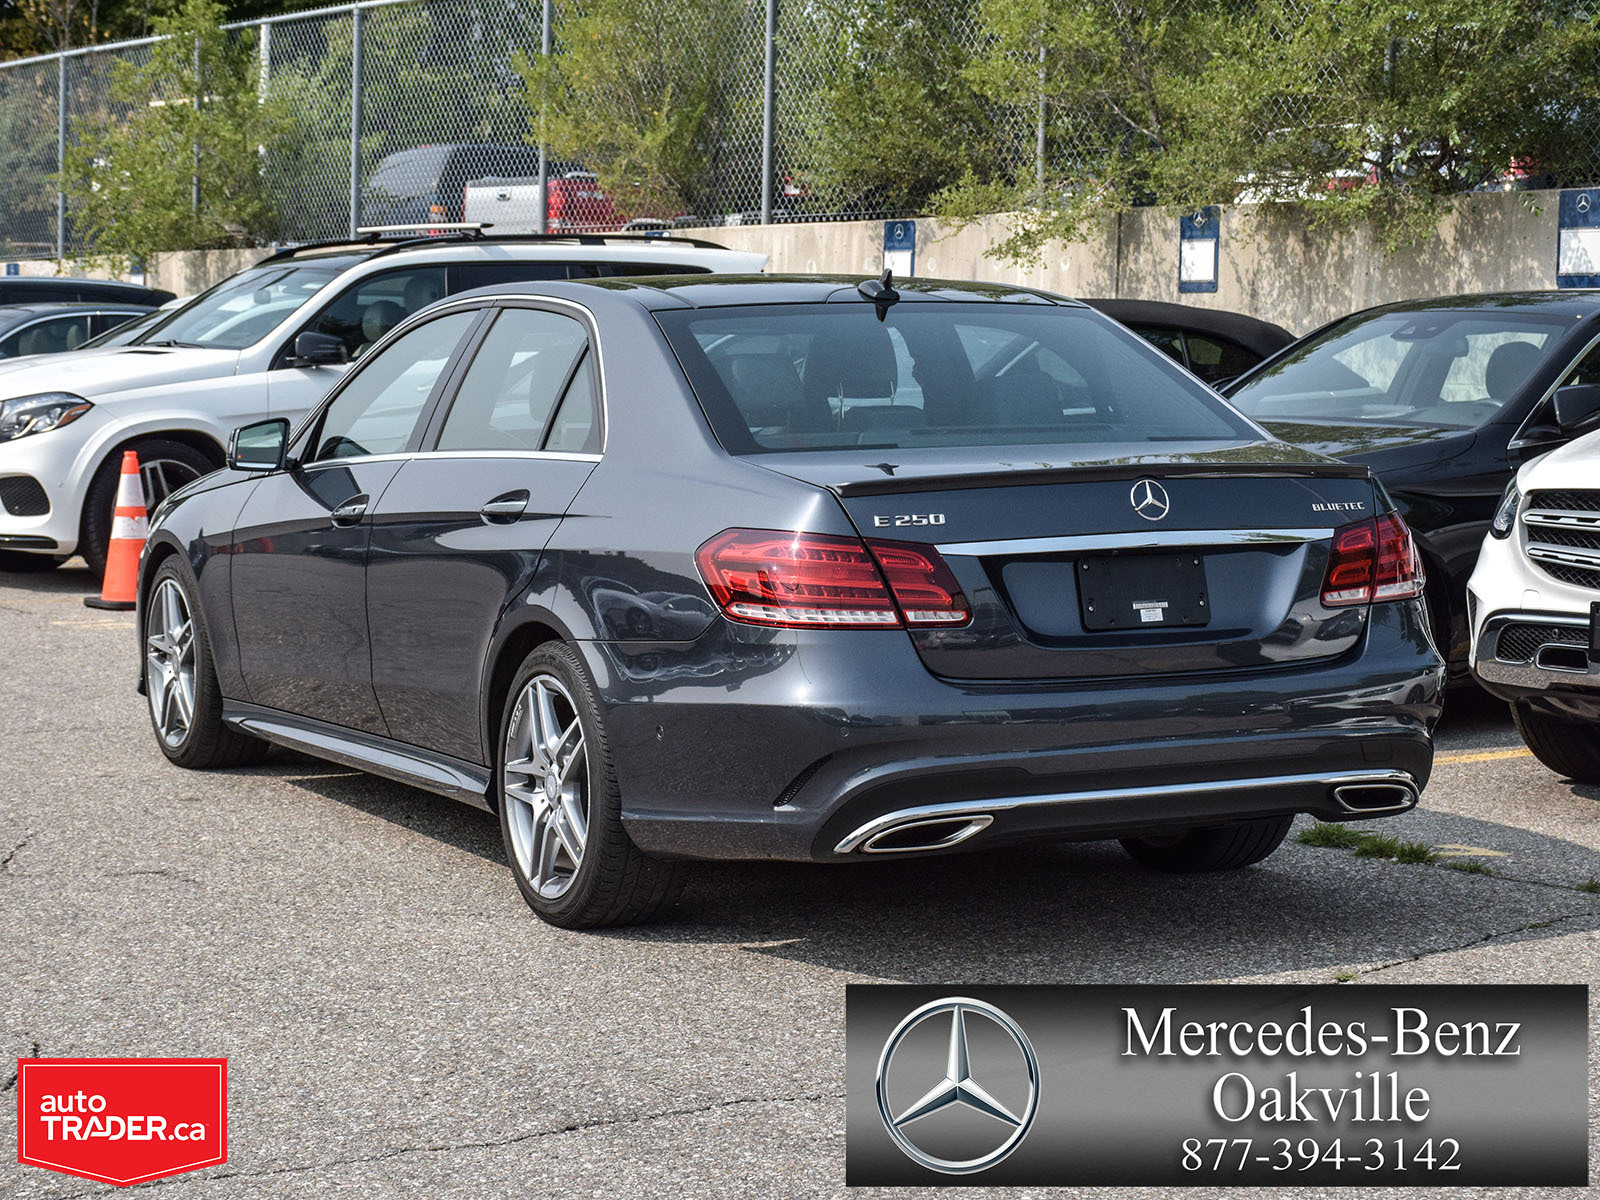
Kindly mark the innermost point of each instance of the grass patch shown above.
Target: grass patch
(1332, 835)
(1376, 845)
(1379, 845)
(1345, 976)
(1467, 866)
(1415, 852)
(1590, 884)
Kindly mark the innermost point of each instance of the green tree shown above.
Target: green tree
(192, 109)
(643, 92)
(1377, 112)
(891, 115)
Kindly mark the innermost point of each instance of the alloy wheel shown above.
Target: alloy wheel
(169, 662)
(160, 477)
(545, 785)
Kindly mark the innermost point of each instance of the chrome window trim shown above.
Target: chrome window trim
(1141, 540)
(557, 455)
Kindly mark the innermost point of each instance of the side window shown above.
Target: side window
(1587, 371)
(1213, 358)
(1168, 341)
(507, 395)
(378, 411)
(466, 276)
(576, 429)
(47, 337)
(372, 306)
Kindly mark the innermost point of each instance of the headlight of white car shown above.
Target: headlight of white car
(1506, 515)
(36, 414)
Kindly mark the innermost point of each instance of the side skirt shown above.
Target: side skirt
(464, 781)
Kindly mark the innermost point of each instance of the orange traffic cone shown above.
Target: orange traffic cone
(129, 527)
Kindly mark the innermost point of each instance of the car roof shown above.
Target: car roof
(1570, 302)
(1263, 337)
(718, 291)
(11, 313)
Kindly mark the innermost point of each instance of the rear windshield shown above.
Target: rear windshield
(823, 376)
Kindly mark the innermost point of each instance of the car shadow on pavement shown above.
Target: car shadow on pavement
(1078, 912)
(71, 576)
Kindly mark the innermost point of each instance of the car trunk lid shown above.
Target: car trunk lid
(1177, 563)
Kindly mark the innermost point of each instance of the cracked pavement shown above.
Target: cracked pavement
(397, 1022)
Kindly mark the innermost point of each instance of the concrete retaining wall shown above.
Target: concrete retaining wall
(1272, 265)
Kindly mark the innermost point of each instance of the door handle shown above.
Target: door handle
(505, 508)
(351, 511)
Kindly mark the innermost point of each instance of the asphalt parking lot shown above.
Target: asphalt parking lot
(397, 1021)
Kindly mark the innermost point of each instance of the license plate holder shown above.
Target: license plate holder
(1142, 591)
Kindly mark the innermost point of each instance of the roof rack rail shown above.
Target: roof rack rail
(468, 234)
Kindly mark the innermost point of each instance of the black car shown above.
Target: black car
(795, 568)
(1443, 399)
(53, 328)
(39, 289)
(1215, 344)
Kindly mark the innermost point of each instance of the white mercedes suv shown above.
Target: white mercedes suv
(1534, 603)
(267, 342)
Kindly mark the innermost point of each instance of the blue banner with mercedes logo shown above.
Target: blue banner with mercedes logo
(1202, 1085)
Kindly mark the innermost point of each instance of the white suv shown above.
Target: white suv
(267, 342)
(1534, 606)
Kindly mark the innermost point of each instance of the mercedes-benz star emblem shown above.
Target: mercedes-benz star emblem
(959, 1087)
(1149, 500)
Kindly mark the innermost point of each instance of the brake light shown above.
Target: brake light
(810, 580)
(921, 582)
(1371, 562)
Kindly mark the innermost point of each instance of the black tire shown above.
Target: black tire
(94, 529)
(20, 562)
(1214, 848)
(205, 741)
(1570, 748)
(614, 883)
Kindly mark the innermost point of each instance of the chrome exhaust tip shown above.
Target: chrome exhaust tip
(1369, 798)
(930, 833)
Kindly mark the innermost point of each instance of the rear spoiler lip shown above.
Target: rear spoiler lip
(1044, 475)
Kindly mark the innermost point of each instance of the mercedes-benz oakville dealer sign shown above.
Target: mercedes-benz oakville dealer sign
(1451, 1086)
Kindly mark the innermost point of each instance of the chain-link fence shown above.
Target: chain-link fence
(399, 106)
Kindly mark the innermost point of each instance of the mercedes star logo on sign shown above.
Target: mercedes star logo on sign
(974, 1126)
(1149, 500)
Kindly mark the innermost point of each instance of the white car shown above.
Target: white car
(1534, 605)
(267, 342)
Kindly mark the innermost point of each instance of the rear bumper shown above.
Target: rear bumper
(826, 747)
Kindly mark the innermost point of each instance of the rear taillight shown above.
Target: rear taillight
(1372, 561)
(810, 580)
(921, 582)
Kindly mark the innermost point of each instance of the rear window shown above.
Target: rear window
(823, 376)
(410, 173)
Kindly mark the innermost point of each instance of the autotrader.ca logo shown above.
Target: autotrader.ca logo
(960, 1077)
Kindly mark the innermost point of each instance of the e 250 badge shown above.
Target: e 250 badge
(122, 1120)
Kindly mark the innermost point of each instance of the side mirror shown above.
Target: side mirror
(259, 446)
(317, 350)
(1577, 407)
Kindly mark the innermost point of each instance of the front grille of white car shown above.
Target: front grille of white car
(1562, 531)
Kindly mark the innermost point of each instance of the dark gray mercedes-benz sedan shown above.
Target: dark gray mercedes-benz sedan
(795, 568)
